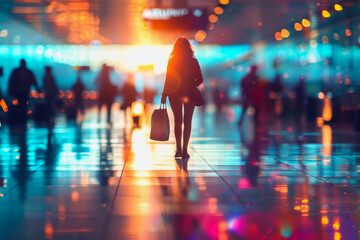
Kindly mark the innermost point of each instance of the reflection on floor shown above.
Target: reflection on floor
(91, 180)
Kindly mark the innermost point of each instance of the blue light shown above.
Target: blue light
(39, 50)
(49, 53)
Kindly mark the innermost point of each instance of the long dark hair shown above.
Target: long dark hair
(182, 49)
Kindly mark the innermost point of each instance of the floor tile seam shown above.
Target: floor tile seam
(223, 180)
(30, 173)
(110, 209)
(346, 193)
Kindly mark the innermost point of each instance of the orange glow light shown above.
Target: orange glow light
(285, 33)
(325, 14)
(61, 94)
(213, 18)
(69, 94)
(78, 6)
(278, 36)
(92, 95)
(305, 22)
(348, 32)
(338, 7)
(324, 220)
(137, 108)
(325, 39)
(218, 10)
(327, 138)
(222, 226)
(75, 196)
(224, 2)
(49, 230)
(3, 105)
(200, 36)
(85, 95)
(321, 95)
(298, 26)
(337, 236)
(15, 102)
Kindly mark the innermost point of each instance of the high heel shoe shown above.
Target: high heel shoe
(178, 153)
(185, 155)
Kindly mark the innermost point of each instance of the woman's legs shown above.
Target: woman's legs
(176, 107)
(188, 114)
(99, 110)
(108, 106)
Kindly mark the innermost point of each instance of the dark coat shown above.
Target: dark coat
(20, 82)
(182, 78)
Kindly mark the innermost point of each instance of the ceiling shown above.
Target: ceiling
(120, 21)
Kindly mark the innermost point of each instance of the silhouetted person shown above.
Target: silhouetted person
(50, 89)
(277, 87)
(107, 90)
(128, 92)
(182, 78)
(149, 95)
(300, 97)
(20, 82)
(49, 86)
(248, 85)
(78, 88)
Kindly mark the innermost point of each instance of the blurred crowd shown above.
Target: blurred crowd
(258, 97)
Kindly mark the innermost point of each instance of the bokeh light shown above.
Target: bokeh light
(313, 43)
(298, 26)
(338, 7)
(213, 18)
(305, 22)
(218, 10)
(285, 33)
(348, 32)
(324, 220)
(200, 35)
(4, 33)
(286, 230)
(278, 36)
(325, 39)
(325, 14)
(224, 2)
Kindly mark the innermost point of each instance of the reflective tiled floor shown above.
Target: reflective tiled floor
(90, 180)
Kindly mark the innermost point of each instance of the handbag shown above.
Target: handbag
(160, 126)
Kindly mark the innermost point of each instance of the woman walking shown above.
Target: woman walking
(107, 91)
(182, 79)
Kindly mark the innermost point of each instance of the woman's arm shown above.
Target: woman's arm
(166, 86)
(198, 75)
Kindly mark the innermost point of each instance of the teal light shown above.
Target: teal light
(286, 231)
(39, 49)
(49, 53)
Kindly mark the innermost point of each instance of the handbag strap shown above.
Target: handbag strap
(162, 105)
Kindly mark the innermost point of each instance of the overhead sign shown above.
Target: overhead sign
(176, 18)
(164, 14)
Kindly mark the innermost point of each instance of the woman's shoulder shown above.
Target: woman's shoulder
(194, 60)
